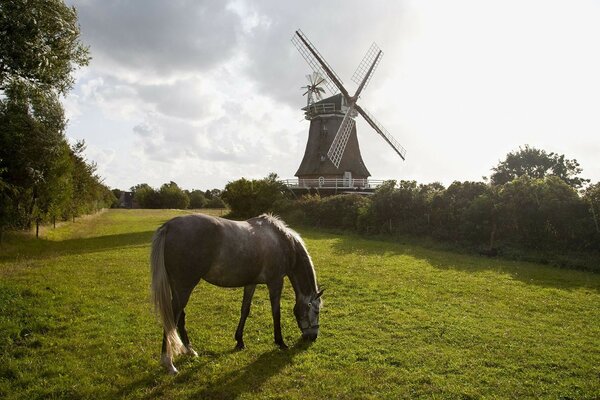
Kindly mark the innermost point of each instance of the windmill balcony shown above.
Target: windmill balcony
(333, 183)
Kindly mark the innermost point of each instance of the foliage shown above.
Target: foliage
(342, 211)
(249, 198)
(39, 44)
(171, 196)
(197, 199)
(146, 196)
(215, 202)
(400, 321)
(537, 163)
(41, 177)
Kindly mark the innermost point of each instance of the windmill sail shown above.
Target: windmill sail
(314, 59)
(336, 151)
(383, 132)
(373, 57)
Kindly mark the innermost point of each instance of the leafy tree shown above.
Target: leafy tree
(171, 196)
(215, 202)
(249, 198)
(210, 194)
(145, 196)
(537, 163)
(39, 44)
(541, 213)
(197, 199)
(33, 151)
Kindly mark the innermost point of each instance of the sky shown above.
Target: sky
(206, 92)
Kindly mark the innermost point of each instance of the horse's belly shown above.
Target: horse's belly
(240, 275)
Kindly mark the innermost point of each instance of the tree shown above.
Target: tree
(33, 151)
(541, 213)
(171, 196)
(39, 44)
(40, 176)
(197, 199)
(145, 196)
(537, 164)
(249, 198)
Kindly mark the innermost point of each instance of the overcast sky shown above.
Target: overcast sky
(205, 92)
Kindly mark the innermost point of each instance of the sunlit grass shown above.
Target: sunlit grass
(399, 321)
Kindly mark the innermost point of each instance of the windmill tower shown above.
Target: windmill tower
(332, 155)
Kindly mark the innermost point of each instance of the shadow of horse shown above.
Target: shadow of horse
(249, 378)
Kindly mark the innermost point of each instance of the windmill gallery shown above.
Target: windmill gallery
(332, 161)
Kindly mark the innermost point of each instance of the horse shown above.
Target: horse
(225, 253)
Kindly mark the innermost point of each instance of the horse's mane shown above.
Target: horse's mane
(292, 236)
(281, 227)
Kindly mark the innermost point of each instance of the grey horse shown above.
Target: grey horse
(261, 250)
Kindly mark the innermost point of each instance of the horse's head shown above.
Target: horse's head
(307, 311)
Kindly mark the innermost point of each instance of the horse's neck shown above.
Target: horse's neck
(302, 276)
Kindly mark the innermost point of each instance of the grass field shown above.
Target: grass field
(399, 321)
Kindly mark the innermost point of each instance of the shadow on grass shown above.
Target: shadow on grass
(25, 247)
(527, 272)
(231, 385)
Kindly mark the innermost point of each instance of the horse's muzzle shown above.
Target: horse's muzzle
(310, 334)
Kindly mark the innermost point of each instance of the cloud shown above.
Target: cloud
(205, 92)
(153, 39)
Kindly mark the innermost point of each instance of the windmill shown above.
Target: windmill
(314, 88)
(329, 156)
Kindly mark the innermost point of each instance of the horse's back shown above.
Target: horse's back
(223, 252)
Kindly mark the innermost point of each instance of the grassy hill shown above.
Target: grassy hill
(399, 321)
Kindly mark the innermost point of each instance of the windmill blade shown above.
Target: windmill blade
(336, 151)
(383, 132)
(367, 66)
(317, 63)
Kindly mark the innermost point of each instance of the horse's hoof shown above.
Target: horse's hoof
(191, 352)
(282, 346)
(240, 346)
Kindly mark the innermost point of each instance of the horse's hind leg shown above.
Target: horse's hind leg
(246, 302)
(184, 336)
(178, 303)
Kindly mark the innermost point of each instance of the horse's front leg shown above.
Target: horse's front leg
(246, 302)
(275, 297)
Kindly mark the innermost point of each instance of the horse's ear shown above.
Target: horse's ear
(320, 294)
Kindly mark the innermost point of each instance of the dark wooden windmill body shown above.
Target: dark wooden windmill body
(332, 157)
(325, 118)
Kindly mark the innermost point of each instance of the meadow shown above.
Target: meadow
(399, 321)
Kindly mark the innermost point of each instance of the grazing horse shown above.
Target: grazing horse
(226, 253)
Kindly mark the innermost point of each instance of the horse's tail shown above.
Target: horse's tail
(161, 293)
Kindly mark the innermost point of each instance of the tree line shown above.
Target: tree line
(170, 195)
(533, 200)
(42, 176)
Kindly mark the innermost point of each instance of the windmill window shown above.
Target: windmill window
(323, 129)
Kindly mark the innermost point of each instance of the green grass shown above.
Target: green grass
(399, 321)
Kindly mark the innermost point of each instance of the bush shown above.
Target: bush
(197, 199)
(249, 198)
(341, 211)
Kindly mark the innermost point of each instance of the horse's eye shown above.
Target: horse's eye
(309, 305)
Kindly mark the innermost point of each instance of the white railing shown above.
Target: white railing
(332, 183)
